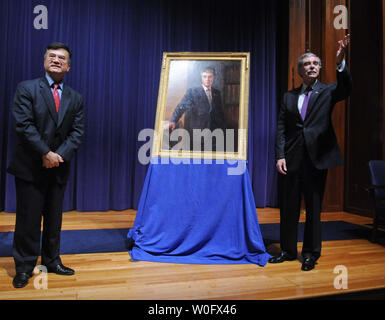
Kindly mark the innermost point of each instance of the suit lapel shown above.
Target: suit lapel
(64, 101)
(295, 97)
(48, 98)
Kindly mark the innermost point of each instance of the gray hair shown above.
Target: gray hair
(209, 70)
(307, 55)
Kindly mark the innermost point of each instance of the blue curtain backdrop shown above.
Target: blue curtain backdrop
(117, 54)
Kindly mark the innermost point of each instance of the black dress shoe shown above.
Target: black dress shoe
(284, 256)
(62, 270)
(21, 279)
(308, 264)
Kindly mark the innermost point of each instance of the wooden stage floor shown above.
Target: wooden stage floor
(106, 276)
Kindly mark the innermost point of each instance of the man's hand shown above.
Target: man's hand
(51, 159)
(342, 47)
(169, 126)
(281, 166)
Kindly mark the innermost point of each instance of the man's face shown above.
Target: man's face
(310, 69)
(56, 61)
(207, 79)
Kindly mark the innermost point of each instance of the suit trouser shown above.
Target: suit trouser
(32, 202)
(309, 182)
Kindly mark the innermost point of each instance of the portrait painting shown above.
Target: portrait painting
(202, 109)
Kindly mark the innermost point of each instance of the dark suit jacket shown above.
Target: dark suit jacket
(316, 133)
(41, 129)
(198, 113)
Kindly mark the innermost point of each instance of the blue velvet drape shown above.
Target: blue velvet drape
(117, 51)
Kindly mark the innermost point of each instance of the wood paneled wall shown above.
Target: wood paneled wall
(334, 196)
(297, 39)
(359, 122)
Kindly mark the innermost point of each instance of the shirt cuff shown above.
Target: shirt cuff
(341, 66)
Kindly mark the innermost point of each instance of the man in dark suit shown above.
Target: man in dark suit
(306, 146)
(49, 125)
(202, 107)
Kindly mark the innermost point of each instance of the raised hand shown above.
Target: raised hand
(342, 47)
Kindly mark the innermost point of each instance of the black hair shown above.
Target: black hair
(59, 45)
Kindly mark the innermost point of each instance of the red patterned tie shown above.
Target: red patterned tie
(56, 96)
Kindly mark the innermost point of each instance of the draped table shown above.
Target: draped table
(198, 214)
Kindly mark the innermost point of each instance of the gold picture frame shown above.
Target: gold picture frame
(182, 76)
